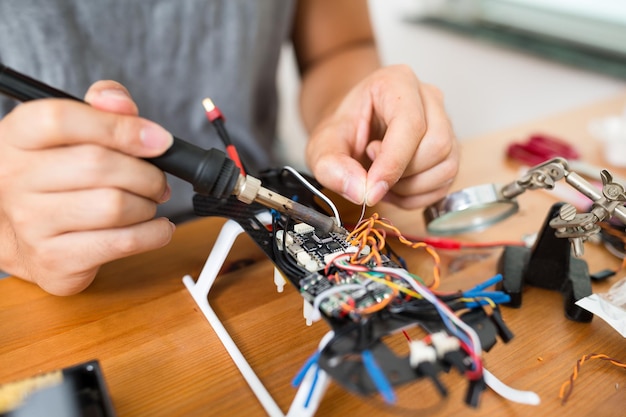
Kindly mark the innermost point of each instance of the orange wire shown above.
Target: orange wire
(568, 386)
(372, 233)
(365, 233)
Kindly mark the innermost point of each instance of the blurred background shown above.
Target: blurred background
(499, 63)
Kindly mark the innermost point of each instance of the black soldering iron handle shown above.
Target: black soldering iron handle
(210, 172)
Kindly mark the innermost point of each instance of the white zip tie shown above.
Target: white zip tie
(511, 394)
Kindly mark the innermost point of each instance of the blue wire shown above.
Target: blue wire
(297, 380)
(491, 281)
(275, 214)
(497, 297)
(310, 395)
(486, 294)
(378, 377)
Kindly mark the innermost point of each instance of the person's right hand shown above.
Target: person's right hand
(74, 193)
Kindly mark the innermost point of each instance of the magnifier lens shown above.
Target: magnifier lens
(471, 209)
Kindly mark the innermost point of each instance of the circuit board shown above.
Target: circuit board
(314, 252)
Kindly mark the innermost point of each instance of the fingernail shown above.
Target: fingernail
(116, 93)
(166, 194)
(377, 192)
(155, 137)
(354, 190)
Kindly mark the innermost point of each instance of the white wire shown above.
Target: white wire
(511, 394)
(314, 190)
(334, 290)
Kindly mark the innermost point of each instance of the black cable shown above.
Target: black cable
(283, 260)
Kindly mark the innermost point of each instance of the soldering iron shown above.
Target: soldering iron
(210, 172)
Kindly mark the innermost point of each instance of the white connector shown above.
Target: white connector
(279, 280)
(303, 228)
(420, 352)
(281, 236)
(303, 257)
(444, 343)
(310, 314)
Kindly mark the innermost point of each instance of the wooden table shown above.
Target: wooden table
(160, 356)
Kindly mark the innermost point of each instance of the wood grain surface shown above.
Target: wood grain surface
(160, 357)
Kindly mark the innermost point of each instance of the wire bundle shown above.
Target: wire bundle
(357, 297)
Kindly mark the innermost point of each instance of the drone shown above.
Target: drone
(357, 284)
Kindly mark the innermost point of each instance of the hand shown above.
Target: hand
(389, 137)
(73, 194)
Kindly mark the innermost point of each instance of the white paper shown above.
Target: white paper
(608, 312)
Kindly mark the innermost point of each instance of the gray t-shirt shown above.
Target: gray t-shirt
(170, 54)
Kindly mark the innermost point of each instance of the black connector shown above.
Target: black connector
(428, 369)
(503, 330)
(455, 359)
(474, 391)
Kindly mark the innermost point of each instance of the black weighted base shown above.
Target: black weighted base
(550, 265)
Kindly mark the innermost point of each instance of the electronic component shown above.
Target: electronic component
(75, 391)
(365, 295)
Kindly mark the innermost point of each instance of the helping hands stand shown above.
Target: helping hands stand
(548, 265)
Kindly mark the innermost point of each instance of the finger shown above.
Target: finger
(42, 124)
(81, 167)
(94, 209)
(439, 141)
(437, 146)
(330, 156)
(111, 96)
(401, 111)
(437, 177)
(90, 249)
(417, 200)
(440, 175)
(343, 175)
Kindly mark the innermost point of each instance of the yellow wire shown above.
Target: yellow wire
(475, 299)
(395, 286)
(373, 308)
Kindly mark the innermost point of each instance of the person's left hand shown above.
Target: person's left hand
(389, 138)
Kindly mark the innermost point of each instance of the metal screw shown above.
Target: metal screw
(567, 212)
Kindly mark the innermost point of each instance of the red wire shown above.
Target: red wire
(452, 244)
(232, 154)
(215, 116)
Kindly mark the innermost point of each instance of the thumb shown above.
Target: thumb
(332, 164)
(111, 96)
(342, 174)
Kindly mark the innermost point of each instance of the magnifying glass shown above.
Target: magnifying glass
(469, 210)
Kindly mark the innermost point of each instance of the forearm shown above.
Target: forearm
(335, 49)
(326, 82)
